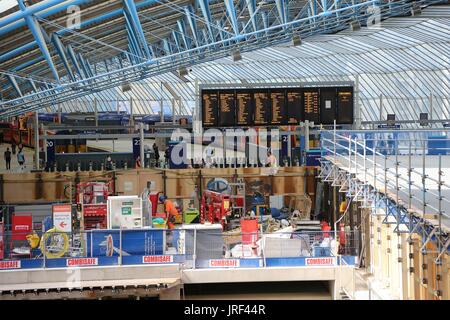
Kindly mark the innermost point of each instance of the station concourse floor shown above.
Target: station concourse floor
(15, 168)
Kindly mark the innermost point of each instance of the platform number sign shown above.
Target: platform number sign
(284, 146)
(136, 147)
(50, 151)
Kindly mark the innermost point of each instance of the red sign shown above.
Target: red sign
(21, 227)
(319, 261)
(74, 262)
(157, 259)
(220, 263)
(94, 210)
(10, 264)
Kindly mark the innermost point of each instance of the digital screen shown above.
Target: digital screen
(210, 108)
(345, 106)
(311, 105)
(244, 109)
(227, 114)
(294, 107)
(262, 108)
(278, 107)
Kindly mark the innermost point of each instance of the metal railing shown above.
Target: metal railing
(192, 248)
(407, 166)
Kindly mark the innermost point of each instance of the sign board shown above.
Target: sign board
(13, 264)
(136, 148)
(326, 261)
(157, 259)
(387, 126)
(224, 263)
(21, 227)
(50, 150)
(76, 262)
(94, 209)
(126, 211)
(62, 217)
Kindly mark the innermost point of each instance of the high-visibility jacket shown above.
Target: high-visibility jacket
(171, 211)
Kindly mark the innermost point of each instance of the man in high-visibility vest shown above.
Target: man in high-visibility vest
(170, 210)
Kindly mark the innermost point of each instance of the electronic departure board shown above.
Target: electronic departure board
(210, 102)
(262, 108)
(277, 106)
(294, 106)
(311, 105)
(244, 109)
(327, 105)
(344, 105)
(227, 109)
(278, 100)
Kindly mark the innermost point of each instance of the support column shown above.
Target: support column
(173, 111)
(36, 140)
(357, 104)
(162, 103)
(95, 112)
(141, 136)
(131, 115)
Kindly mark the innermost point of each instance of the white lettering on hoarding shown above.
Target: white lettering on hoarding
(73, 262)
(319, 261)
(221, 263)
(10, 264)
(157, 259)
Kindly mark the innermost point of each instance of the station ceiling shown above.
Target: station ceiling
(48, 58)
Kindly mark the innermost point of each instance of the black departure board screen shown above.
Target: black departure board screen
(262, 108)
(244, 109)
(278, 99)
(311, 105)
(294, 106)
(345, 105)
(210, 100)
(277, 106)
(327, 105)
(227, 109)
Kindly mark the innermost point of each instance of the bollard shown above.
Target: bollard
(90, 165)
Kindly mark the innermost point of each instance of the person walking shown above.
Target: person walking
(13, 147)
(7, 156)
(21, 159)
(156, 151)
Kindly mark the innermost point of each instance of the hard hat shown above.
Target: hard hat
(162, 198)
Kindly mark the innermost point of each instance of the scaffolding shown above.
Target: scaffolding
(395, 173)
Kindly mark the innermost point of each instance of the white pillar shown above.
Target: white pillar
(357, 104)
(36, 140)
(141, 135)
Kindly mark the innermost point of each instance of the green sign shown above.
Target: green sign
(126, 211)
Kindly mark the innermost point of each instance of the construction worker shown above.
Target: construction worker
(170, 210)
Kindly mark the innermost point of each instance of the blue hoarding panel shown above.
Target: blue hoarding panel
(134, 242)
(285, 262)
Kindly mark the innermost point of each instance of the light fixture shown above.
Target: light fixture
(355, 25)
(296, 40)
(237, 56)
(183, 72)
(416, 9)
(126, 87)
